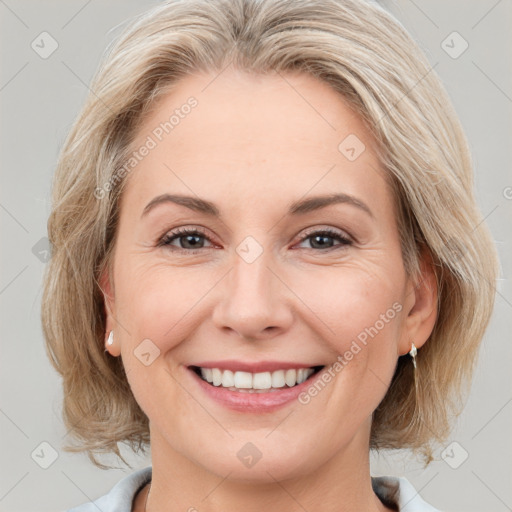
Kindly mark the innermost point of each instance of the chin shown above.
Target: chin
(263, 465)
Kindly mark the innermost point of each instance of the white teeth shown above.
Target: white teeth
(290, 377)
(216, 376)
(278, 379)
(242, 380)
(207, 374)
(228, 379)
(263, 380)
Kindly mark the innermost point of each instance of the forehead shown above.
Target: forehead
(246, 135)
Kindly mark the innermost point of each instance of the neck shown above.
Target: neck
(342, 484)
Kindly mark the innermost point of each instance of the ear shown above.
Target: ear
(107, 288)
(420, 306)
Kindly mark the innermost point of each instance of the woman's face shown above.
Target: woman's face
(259, 286)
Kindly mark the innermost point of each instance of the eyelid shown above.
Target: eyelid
(345, 240)
(327, 229)
(182, 231)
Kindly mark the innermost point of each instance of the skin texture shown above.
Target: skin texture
(253, 145)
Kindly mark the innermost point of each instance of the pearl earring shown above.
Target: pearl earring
(110, 340)
(413, 353)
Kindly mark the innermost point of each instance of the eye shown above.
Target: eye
(320, 239)
(190, 240)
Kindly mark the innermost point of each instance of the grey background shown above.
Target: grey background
(39, 99)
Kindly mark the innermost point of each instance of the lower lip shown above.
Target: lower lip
(253, 402)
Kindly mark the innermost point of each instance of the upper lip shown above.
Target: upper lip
(254, 366)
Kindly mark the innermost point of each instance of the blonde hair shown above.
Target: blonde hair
(362, 52)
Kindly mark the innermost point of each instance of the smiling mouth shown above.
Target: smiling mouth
(255, 382)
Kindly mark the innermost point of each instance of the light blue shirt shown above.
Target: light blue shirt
(398, 491)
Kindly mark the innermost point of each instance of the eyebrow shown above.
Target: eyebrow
(296, 208)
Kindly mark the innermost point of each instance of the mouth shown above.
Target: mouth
(261, 382)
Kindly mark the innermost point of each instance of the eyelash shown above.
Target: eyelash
(170, 236)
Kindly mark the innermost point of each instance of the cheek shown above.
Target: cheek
(362, 304)
(359, 312)
(156, 306)
(157, 301)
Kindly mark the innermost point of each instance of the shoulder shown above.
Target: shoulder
(120, 497)
(399, 492)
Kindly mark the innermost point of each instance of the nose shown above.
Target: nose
(253, 301)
